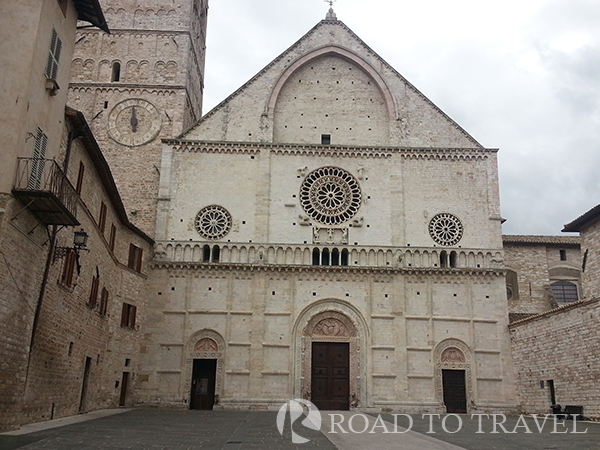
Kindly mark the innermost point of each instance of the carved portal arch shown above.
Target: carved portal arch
(205, 344)
(331, 321)
(453, 354)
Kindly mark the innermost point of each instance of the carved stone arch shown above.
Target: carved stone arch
(453, 354)
(331, 320)
(205, 344)
(345, 54)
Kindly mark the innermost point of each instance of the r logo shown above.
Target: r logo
(296, 408)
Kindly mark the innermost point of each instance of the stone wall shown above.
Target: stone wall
(533, 264)
(57, 314)
(159, 51)
(400, 319)
(561, 345)
(590, 245)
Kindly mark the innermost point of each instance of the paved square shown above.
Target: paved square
(236, 430)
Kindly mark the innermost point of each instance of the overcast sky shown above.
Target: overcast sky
(519, 75)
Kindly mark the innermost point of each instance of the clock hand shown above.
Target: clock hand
(134, 120)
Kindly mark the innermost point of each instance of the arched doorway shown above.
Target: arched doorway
(453, 376)
(205, 368)
(330, 369)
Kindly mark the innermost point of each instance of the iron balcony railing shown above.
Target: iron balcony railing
(44, 189)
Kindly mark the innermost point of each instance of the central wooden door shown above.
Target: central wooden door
(330, 375)
(204, 376)
(455, 392)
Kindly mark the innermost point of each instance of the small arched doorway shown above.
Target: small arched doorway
(453, 376)
(205, 362)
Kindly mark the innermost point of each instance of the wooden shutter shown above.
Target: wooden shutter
(124, 313)
(37, 162)
(53, 56)
(94, 292)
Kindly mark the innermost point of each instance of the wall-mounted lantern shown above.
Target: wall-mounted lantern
(79, 243)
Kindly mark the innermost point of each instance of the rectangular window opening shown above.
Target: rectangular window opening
(325, 139)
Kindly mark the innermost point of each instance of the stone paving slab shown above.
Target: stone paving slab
(469, 438)
(164, 429)
(154, 429)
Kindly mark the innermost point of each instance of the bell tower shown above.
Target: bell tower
(142, 83)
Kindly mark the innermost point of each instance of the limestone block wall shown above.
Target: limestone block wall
(563, 346)
(317, 74)
(47, 379)
(401, 320)
(260, 188)
(590, 245)
(23, 251)
(534, 262)
(155, 52)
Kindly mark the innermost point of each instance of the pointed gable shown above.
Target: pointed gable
(330, 83)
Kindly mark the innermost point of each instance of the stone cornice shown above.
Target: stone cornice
(125, 87)
(347, 270)
(466, 154)
(122, 31)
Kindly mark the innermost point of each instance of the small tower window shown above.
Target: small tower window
(325, 139)
(116, 72)
(563, 255)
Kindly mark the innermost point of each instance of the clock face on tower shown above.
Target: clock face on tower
(134, 122)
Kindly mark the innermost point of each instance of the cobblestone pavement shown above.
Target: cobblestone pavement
(235, 430)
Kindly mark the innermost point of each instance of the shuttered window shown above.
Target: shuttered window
(128, 315)
(135, 258)
(53, 56)
(103, 302)
(37, 162)
(94, 292)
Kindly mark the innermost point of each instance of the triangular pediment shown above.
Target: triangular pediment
(330, 83)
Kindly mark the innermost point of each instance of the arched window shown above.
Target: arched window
(443, 259)
(335, 257)
(216, 253)
(206, 253)
(344, 260)
(564, 292)
(325, 257)
(116, 72)
(316, 257)
(453, 259)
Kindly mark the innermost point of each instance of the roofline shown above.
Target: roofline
(91, 11)
(278, 58)
(103, 169)
(560, 309)
(541, 240)
(583, 221)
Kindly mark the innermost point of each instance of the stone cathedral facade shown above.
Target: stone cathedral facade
(326, 232)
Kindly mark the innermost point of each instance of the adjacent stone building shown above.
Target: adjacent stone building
(542, 272)
(556, 352)
(35, 197)
(328, 233)
(65, 346)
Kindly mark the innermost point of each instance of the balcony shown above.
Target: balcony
(43, 188)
